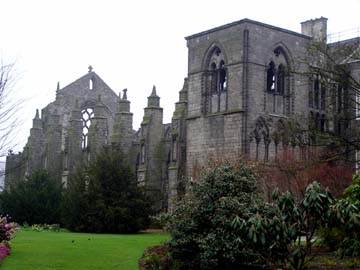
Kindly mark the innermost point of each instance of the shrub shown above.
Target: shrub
(209, 228)
(156, 258)
(344, 236)
(35, 200)
(224, 222)
(4, 251)
(105, 197)
(7, 230)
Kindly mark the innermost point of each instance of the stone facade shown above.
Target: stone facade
(245, 80)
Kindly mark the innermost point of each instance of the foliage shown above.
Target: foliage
(218, 223)
(345, 236)
(301, 220)
(105, 197)
(81, 251)
(44, 228)
(225, 223)
(157, 258)
(37, 199)
(7, 229)
(4, 251)
(294, 175)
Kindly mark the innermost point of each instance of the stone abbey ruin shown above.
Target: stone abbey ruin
(245, 80)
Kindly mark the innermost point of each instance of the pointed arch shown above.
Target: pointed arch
(279, 82)
(210, 51)
(281, 48)
(215, 78)
(261, 137)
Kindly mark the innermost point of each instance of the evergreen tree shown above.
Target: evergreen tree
(105, 197)
(36, 200)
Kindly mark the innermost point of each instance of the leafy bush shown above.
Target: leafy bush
(218, 223)
(46, 227)
(105, 197)
(4, 251)
(344, 236)
(156, 258)
(35, 200)
(224, 222)
(7, 230)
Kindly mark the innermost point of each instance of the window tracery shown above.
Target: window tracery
(87, 115)
(216, 82)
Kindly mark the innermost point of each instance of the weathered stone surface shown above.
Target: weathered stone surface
(229, 107)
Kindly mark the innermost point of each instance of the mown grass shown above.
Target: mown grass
(77, 251)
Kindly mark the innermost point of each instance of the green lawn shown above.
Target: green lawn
(77, 251)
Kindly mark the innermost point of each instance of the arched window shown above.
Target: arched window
(87, 115)
(261, 137)
(216, 82)
(91, 84)
(270, 81)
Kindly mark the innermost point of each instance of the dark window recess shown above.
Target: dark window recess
(270, 79)
(222, 77)
(281, 80)
(213, 78)
(323, 98)
(316, 93)
(322, 123)
(311, 98)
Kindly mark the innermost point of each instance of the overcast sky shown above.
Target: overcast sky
(130, 44)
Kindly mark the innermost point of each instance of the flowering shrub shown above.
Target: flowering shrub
(4, 251)
(7, 229)
(46, 227)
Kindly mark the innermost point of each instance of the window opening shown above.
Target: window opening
(281, 79)
(271, 77)
(213, 78)
(91, 84)
(216, 84)
(316, 92)
(222, 75)
(87, 116)
(340, 98)
(322, 123)
(323, 98)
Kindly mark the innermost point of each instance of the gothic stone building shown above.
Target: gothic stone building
(245, 79)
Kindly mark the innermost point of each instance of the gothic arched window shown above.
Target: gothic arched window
(216, 82)
(87, 115)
